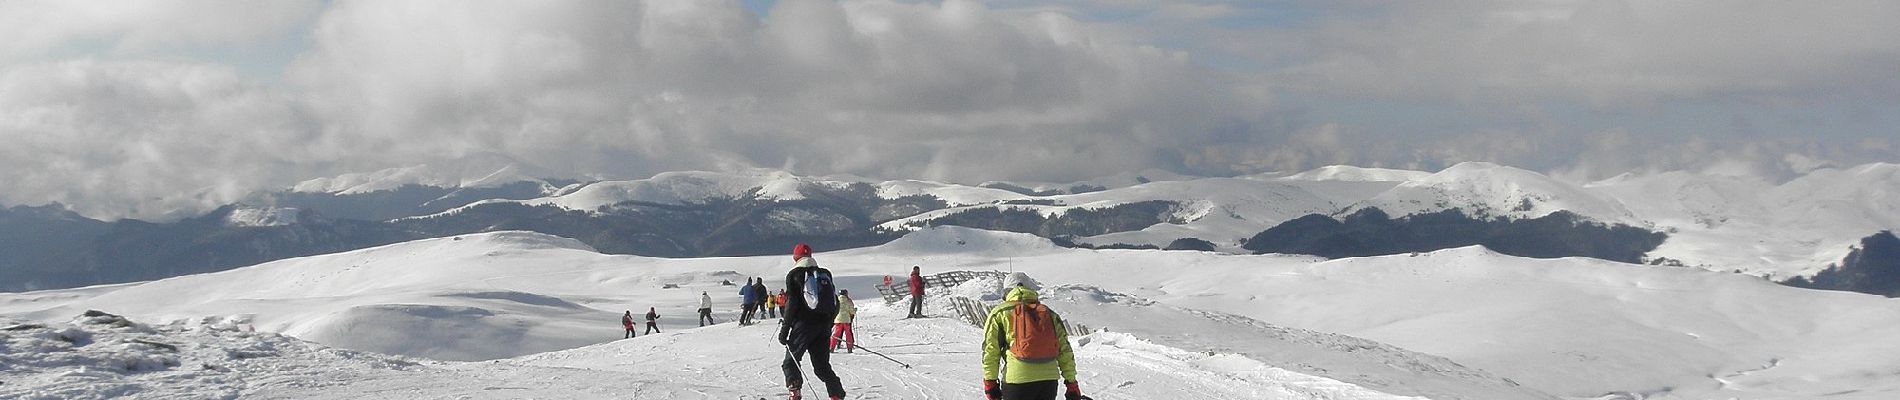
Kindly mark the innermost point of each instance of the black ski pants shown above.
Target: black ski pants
(629, 333)
(1044, 390)
(705, 317)
(651, 327)
(820, 355)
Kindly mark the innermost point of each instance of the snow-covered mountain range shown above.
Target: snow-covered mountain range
(1716, 222)
(1463, 323)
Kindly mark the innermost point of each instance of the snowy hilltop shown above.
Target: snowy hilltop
(1715, 222)
(518, 314)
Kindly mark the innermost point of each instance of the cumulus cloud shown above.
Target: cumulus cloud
(117, 111)
(945, 91)
(41, 28)
(954, 91)
(151, 139)
(1608, 52)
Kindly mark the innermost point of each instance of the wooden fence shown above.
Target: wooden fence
(977, 313)
(968, 310)
(900, 288)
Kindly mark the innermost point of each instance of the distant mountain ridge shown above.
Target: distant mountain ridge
(1722, 223)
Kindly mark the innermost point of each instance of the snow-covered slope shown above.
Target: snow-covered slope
(1355, 174)
(472, 172)
(102, 356)
(1490, 190)
(678, 188)
(261, 216)
(697, 187)
(1715, 222)
(222, 360)
(1367, 363)
(1569, 327)
(1109, 182)
(433, 294)
(1220, 210)
(445, 298)
(1757, 227)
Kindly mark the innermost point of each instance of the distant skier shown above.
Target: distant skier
(748, 298)
(781, 303)
(841, 326)
(758, 309)
(771, 306)
(916, 293)
(626, 321)
(1037, 346)
(653, 320)
(705, 309)
(811, 307)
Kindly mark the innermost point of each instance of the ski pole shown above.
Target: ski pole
(801, 371)
(881, 355)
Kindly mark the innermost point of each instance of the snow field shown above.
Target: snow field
(718, 362)
(1571, 327)
(1460, 323)
(110, 357)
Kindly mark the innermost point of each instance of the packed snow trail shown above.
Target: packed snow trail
(725, 361)
(729, 361)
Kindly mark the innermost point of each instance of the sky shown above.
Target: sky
(156, 109)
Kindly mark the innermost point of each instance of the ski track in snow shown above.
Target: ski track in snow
(718, 362)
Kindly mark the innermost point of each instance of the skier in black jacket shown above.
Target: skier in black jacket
(806, 328)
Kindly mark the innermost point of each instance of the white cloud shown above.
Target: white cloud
(106, 108)
(868, 87)
(40, 28)
(1605, 52)
(148, 139)
(872, 87)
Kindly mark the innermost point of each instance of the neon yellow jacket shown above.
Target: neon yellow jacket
(996, 334)
(847, 310)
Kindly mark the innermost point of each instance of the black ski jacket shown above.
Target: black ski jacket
(801, 324)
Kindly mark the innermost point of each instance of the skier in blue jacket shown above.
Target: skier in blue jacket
(750, 297)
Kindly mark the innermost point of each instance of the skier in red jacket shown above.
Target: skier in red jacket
(916, 293)
(626, 321)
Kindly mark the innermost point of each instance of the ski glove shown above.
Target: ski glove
(991, 390)
(784, 334)
(1074, 391)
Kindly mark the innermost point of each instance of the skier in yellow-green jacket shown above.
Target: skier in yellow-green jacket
(1030, 346)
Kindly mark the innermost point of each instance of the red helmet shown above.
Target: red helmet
(801, 251)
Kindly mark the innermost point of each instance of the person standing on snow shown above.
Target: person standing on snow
(1031, 344)
(781, 303)
(771, 306)
(626, 321)
(758, 308)
(841, 326)
(705, 309)
(749, 296)
(653, 320)
(916, 293)
(811, 307)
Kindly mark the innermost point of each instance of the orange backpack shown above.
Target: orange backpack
(1035, 338)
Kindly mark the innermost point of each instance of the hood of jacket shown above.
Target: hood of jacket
(1021, 294)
